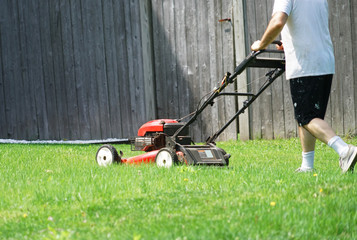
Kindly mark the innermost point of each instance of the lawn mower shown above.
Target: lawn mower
(166, 142)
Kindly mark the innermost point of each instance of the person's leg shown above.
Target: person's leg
(307, 140)
(310, 98)
(308, 150)
(320, 129)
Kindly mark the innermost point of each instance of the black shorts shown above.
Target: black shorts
(310, 97)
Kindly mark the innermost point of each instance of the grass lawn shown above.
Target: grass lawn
(59, 192)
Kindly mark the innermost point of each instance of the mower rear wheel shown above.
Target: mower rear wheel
(166, 158)
(107, 155)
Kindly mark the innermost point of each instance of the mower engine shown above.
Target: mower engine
(152, 135)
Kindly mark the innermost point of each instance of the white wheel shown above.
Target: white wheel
(165, 158)
(107, 155)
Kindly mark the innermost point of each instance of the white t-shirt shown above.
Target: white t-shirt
(306, 38)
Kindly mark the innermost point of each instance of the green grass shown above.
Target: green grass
(59, 192)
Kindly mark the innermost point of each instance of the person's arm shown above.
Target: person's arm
(274, 28)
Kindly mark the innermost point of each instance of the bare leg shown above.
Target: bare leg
(307, 140)
(320, 129)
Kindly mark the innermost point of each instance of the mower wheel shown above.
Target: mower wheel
(166, 158)
(107, 155)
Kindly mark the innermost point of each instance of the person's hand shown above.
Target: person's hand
(280, 47)
(256, 46)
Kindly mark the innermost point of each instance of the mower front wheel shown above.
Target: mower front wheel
(107, 155)
(166, 158)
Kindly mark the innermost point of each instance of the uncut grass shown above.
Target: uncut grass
(58, 191)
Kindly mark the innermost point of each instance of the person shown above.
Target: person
(310, 66)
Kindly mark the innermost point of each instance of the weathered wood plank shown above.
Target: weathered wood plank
(148, 59)
(30, 73)
(48, 72)
(10, 60)
(138, 79)
(69, 70)
(124, 103)
(100, 71)
(192, 62)
(214, 26)
(110, 53)
(89, 24)
(169, 58)
(203, 63)
(239, 10)
(79, 60)
(158, 38)
(3, 45)
(336, 89)
(228, 62)
(181, 67)
(36, 70)
(3, 124)
(253, 34)
(346, 77)
(61, 94)
(265, 106)
(353, 10)
(219, 110)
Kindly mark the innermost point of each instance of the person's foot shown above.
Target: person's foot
(347, 163)
(302, 170)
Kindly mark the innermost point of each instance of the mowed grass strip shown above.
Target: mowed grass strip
(59, 192)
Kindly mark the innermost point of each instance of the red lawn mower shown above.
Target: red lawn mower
(166, 142)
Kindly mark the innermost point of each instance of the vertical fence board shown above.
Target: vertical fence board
(69, 70)
(336, 89)
(158, 40)
(148, 59)
(79, 70)
(252, 35)
(354, 50)
(138, 79)
(9, 60)
(3, 124)
(131, 65)
(344, 55)
(203, 63)
(192, 62)
(60, 83)
(89, 29)
(181, 67)
(239, 9)
(111, 70)
(228, 66)
(123, 68)
(48, 72)
(101, 75)
(214, 49)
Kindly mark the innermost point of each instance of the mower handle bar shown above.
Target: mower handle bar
(243, 65)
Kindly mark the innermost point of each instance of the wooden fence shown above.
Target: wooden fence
(99, 69)
(73, 69)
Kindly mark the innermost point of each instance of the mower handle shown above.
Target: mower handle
(243, 65)
(227, 80)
